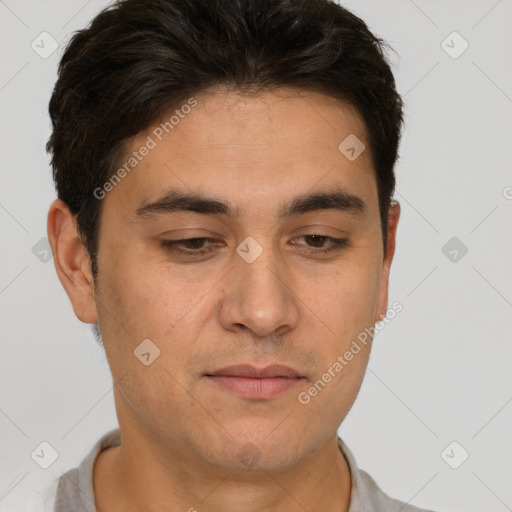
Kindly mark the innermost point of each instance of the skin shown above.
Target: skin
(182, 435)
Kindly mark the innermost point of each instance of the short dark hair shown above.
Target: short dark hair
(138, 59)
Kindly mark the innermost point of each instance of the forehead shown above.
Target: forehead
(251, 149)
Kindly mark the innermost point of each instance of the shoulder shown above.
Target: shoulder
(41, 500)
(366, 495)
(376, 499)
(48, 497)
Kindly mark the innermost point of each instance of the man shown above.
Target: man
(224, 172)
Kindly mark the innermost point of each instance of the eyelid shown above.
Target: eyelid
(172, 246)
(336, 244)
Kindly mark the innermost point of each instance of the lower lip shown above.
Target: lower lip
(255, 388)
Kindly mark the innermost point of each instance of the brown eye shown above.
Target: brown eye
(192, 246)
(317, 242)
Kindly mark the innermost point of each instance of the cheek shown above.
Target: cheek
(332, 392)
(146, 299)
(346, 303)
(146, 328)
(155, 395)
(345, 299)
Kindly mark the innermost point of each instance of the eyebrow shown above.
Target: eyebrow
(175, 200)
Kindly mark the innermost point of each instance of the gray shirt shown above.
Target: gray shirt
(75, 493)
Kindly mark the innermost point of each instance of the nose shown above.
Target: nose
(260, 296)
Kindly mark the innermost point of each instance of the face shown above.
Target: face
(285, 267)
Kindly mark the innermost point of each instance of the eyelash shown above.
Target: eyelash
(172, 245)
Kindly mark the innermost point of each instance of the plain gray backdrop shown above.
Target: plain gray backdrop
(439, 385)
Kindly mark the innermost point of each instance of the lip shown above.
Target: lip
(248, 370)
(255, 383)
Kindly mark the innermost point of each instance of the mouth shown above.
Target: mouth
(250, 382)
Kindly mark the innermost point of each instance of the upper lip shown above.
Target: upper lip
(248, 370)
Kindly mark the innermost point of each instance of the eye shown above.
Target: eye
(193, 246)
(318, 242)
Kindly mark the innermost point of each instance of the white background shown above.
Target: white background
(439, 372)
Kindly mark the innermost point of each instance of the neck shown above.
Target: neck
(138, 476)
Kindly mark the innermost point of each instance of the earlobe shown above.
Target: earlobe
(72, 261)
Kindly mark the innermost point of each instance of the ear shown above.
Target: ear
(393, 217)
(71, 261)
